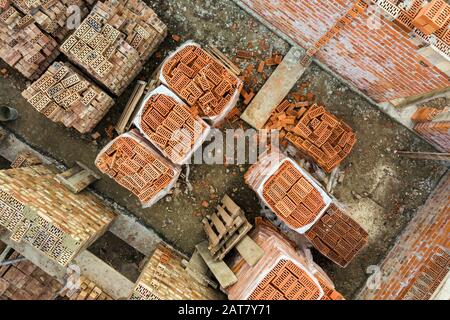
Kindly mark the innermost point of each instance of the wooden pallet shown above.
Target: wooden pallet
(77, 178)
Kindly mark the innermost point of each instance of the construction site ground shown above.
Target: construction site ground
(381, 190)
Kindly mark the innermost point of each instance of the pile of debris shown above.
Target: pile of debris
(23, 45)
(114, 40)
(170, 125)
(201, 81)
(63, 95)
(314, 131)
(135, 165)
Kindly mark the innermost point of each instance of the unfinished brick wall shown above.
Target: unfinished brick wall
(383, 63)
(39, 211)
(164, 278)
(420, 260)
(437, 133)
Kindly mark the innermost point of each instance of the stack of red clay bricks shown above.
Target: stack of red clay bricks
(425, 114)
(51, 16)
(171, 127)
(201, 81)
(23, 46)
(135, 165)
(337, 236)
(321, 136)
(25, 281)
(88, 291)
(114, 40)
(432, 17)
(281, 274)
(63, 95)
(435, 132)
(165, 278)
(292, 197)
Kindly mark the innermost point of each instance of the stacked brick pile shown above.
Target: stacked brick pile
(425, 114)
(25, 159)
(337, 236)
(432, 17)
(39, 211)
(201, 81)
(135, 165)
(282, 273)
(164, 278)
(171, 127)
(51, 16)
(321, 136)
(288, 190)
(25, 281)
(292, 196)
(63, 95)
(88, 291)
(437, 133)
(114, 40)
(23, 46)
(420, 261)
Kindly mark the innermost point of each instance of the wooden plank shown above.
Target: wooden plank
(220, 227)
(216, 53)
(213, 238)
(131, 106)
(219, 269)
(231, 242)
(275, 89)
(425, 155)
(250, 251)
(231, 206)
(225, 216)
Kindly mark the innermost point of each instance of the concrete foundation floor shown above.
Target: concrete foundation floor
(381, 190)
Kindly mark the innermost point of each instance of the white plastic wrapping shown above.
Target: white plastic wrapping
(267, 166)
(213, 120)
(176, 170)
(165, 91)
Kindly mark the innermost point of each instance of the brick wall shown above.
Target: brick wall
(420, 260)
(382, 63)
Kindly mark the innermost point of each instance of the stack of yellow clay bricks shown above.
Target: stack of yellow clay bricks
(164, 278)
(51, 16)
(63, 95)
(88, 291)
(23, 46)
(25, 159)
(39, 211)
(114, 40)
(25, 281)
(282, 274)
(132, 163)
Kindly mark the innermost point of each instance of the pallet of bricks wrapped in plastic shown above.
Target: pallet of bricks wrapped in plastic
(282, 273)
(133, 163)
(63, 95)
(288, 190)
(292, 194)
(52, 16)
(39, 211)
(114, 41)
(167, 122)
(201, 81)
(23, 45)
(164, 278)
(315, 132)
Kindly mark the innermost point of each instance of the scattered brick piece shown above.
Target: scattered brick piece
(261, 66)
(242, 54)
(176, 38)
